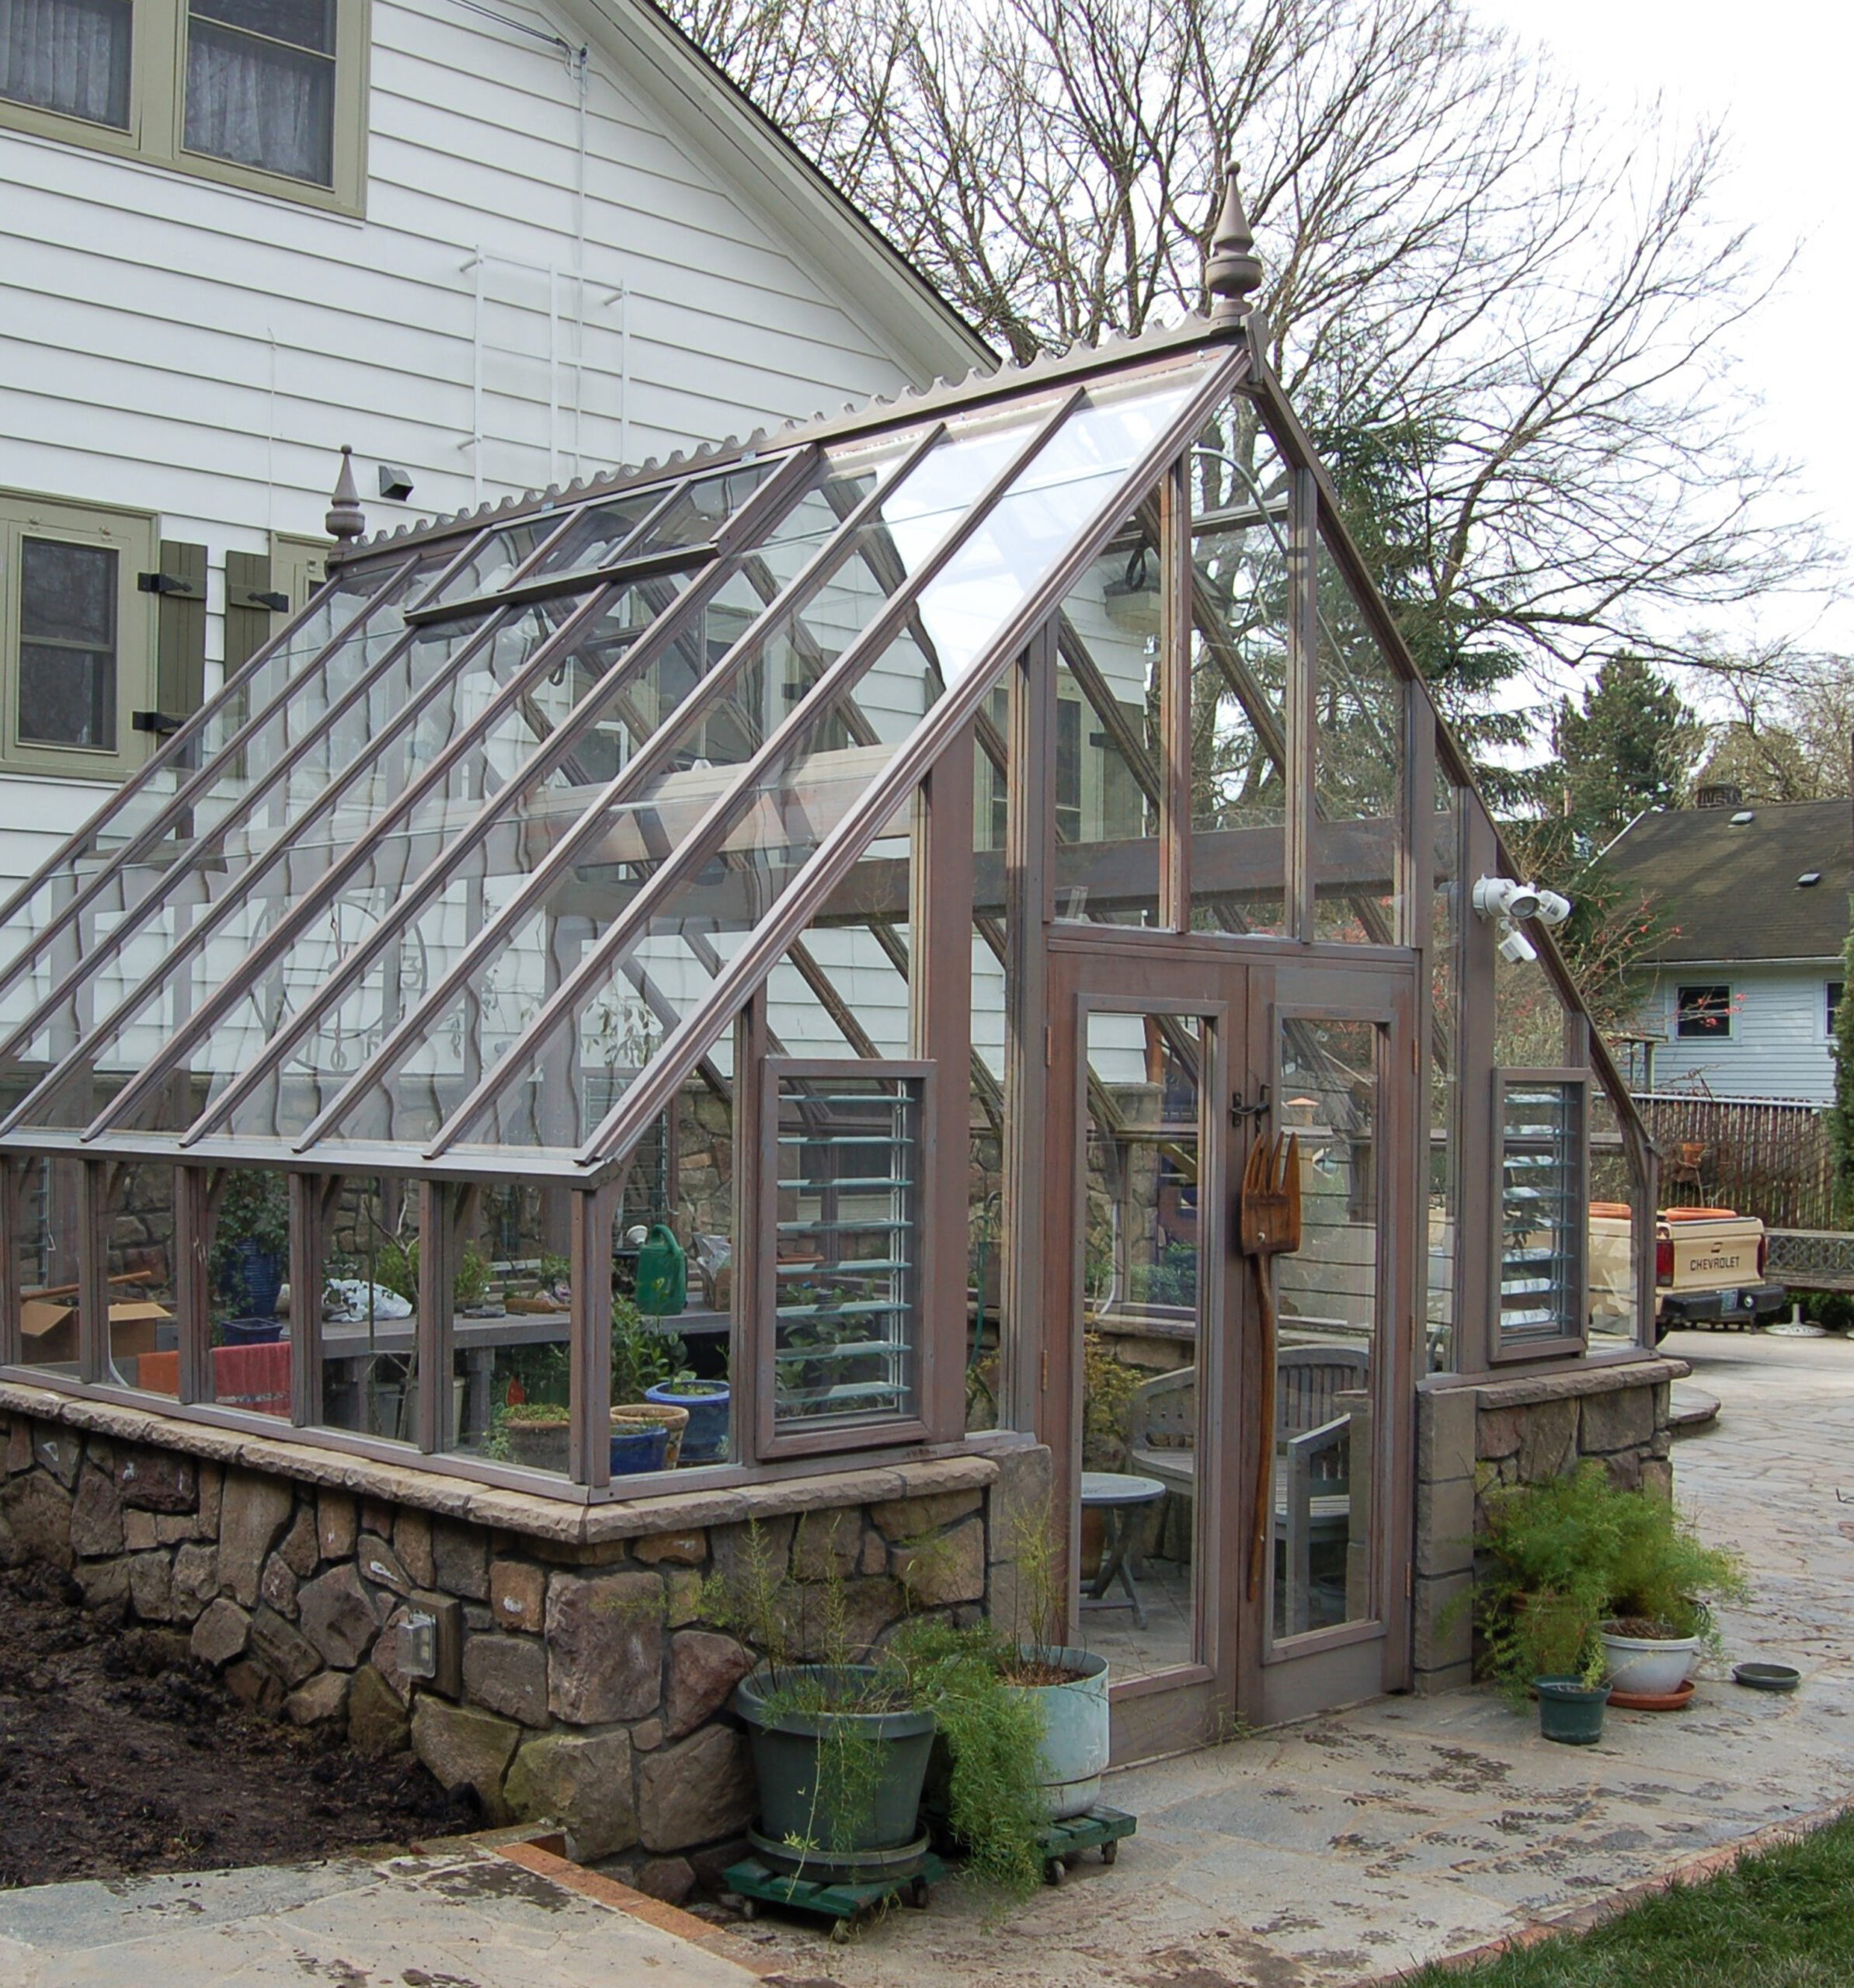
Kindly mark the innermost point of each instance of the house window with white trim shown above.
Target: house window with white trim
(1832, 1005)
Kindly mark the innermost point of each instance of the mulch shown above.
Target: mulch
(120, 1755)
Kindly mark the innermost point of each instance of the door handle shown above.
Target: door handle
(1239, 1111)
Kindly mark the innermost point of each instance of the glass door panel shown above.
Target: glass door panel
(1328, 1301)
(1143, 1290)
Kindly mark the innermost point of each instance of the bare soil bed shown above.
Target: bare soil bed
(120, 1755)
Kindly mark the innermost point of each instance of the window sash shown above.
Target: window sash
(71, 57)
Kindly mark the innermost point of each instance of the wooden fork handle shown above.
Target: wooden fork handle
(1264, 1466)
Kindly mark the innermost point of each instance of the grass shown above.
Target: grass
(1783, 1918)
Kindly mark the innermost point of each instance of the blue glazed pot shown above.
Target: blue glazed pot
(637, 1450)
(259, 1274)
(705, 1441)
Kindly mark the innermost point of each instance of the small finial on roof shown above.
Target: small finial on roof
(1234, 270)
(346, 519)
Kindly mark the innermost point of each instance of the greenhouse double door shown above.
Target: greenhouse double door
(1236, 1494)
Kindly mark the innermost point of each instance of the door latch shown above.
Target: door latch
(1239, 1111)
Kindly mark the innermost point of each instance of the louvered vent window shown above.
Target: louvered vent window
(851, 1142)
(1544, 1205)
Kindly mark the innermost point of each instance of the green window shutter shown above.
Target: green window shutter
(252, 608)
(180, 631)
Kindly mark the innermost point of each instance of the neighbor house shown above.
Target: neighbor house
(1744, 974)
(492, 247)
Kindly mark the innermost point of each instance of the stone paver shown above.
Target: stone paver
(1360, 1843)
(461, 1918)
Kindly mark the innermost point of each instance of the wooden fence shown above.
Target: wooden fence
(1761, 1156)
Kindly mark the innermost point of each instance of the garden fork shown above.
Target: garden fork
(1268, 1225)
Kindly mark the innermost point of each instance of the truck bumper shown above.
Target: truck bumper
(1711, 1308)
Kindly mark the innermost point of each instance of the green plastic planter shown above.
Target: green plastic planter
(800, 1828)
(1570, 1711)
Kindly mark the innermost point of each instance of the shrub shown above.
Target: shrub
(1566, 1555)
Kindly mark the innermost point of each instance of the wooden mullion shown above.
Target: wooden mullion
(1029, 847)
(14, 1174)
(751, 1329)
(589, 1437)
(194, 1209)
(1304, 666)
(941, 1000)
(308, 1249)
(1477, 1215)
(93, 1272)
(1174, 696)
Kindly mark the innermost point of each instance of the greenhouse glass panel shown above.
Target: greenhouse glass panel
(1239, 601)
(129, 850)
(1358, 771)
(340, 877)
(319, 812)
(480, 858)
(776, 818)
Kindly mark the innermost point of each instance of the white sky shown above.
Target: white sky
(1779, 73)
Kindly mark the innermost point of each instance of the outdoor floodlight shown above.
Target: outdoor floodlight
(1553, 910)
(1502, 897)
(1517, 949)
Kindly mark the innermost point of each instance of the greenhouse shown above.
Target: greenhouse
(814, 937)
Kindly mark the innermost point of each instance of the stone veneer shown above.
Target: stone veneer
(577, 1681)
(1473, 1437)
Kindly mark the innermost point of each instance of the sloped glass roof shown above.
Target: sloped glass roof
(486, 851)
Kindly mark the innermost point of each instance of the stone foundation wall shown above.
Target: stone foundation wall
(577, 1679)
(1521, 1431)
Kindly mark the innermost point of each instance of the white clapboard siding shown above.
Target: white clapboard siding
(201, 352)
(1778, 1045)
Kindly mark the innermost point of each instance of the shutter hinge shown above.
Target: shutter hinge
(160, 723)
(277, 604)
(168, 583)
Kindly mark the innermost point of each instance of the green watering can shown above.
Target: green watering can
(662, 1273)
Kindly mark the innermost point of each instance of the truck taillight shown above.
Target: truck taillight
(1763, 1253)
(1663, 1261)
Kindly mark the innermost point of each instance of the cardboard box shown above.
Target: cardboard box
(48, 1329)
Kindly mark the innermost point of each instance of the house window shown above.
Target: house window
(1700, 1013)
(68, 57)
(265, 93)
(76, 647)
(1831, 1006)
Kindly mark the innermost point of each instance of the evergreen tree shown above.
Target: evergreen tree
(1633, 745)
(1840, 1113)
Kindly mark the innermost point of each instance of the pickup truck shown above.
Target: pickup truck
(1709, 1268)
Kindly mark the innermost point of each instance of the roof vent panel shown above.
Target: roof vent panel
(1808, 879)
(1744, 814)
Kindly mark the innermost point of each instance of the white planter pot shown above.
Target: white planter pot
(1649, 1667)
(1075, 1733)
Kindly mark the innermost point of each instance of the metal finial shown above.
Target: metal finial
(1233, 268)
(346, 519)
